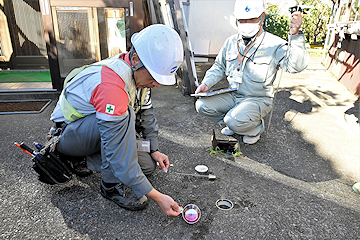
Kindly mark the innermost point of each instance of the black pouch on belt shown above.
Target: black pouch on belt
(50, 168)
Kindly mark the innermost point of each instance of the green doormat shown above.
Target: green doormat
(14, 77)
(23, 106)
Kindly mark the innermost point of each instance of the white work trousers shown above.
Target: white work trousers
(243, 115)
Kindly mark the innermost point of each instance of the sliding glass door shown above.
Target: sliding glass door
(85, 35)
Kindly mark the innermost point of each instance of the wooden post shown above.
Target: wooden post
(49, 35)
(136, 16)
(188, 77)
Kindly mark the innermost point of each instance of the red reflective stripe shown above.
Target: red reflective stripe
(111, 91)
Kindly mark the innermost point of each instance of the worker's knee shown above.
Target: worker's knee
(205, 109)
(147, 164)
(148, 169)
(199, 106)
(240, 125)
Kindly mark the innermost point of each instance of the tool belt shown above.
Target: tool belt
(50, 168)
(47, 164)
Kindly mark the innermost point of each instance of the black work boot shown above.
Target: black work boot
(77, 164)
(80, 168)
(123, 196)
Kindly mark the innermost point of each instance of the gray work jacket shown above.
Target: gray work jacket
(257, 71)
(115, 130)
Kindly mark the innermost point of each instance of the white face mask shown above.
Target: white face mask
(248, 30)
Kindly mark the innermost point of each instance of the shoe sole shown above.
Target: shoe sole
(228, 134)
(127, 207)
(251, 142)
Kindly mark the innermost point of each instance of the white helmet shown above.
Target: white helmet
(160, 49)
(247, 9)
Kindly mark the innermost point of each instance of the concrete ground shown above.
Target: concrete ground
(295, 183)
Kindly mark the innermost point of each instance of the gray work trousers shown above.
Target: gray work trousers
(82, 138)
(243, 115)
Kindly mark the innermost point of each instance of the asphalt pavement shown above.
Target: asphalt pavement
(295, 183)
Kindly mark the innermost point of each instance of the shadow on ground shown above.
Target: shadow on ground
(284, 149)
(268, 204)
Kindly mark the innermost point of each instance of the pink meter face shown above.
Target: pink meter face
(191, 213)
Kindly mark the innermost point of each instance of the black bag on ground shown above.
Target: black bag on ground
(47, 164)
(50, 168)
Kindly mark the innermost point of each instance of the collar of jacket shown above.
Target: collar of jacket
(126, 58)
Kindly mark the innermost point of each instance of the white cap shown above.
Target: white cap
(160, 49)
(245, 9)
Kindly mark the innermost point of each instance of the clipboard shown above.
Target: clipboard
(216, 92)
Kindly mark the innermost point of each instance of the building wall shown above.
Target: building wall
(22, 35)
(344, 61)
(210, 22)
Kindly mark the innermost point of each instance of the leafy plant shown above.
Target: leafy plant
(216, 151)
(275, 23)
(314, 23)
(237, 152)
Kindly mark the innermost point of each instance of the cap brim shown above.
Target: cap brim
(163, 79)
(246, 16)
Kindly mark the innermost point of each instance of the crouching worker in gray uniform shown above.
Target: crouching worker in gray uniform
(250, 60)
(105, 110)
